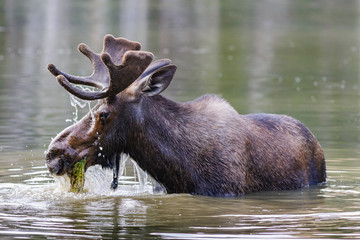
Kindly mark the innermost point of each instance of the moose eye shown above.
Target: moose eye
(103, 116)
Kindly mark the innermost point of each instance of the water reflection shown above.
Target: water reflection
(260, 60)
(318, 212)
(292, 57)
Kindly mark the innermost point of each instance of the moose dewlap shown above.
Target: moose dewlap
(200, 147)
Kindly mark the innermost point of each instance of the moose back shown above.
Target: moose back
(200, 147)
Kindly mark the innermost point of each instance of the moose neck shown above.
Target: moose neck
(157, 144)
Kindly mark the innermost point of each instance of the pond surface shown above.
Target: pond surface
(299, 58)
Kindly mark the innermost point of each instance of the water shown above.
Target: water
(299, 58)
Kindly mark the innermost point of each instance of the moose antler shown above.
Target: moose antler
(118, 65)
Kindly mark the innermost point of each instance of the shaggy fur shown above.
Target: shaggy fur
(205, 147)
(201, 147)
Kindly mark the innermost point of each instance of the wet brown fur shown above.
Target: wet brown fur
(200, 147)
(205, 147)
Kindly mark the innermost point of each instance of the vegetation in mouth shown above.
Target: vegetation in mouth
(77, 176)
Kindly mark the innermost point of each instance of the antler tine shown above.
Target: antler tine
(121, 76)
(97, 79)
(116, 47)
(77, 91)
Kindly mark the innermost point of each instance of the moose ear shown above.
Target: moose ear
(158, 81)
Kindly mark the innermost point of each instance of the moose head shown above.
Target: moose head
(124, 75)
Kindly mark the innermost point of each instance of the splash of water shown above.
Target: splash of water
(98, 180)
(62, 183)
(79, 103)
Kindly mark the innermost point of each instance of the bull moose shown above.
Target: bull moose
(200, 147)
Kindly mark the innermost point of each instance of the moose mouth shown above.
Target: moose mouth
(61, 166)
(76, 173)
(60, 163)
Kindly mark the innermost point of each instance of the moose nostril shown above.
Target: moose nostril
(51, 154)
(55, 166)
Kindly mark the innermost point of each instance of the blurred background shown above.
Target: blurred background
(299, 58)
(290, 57)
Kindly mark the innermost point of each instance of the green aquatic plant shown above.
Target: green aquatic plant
(77, 176)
